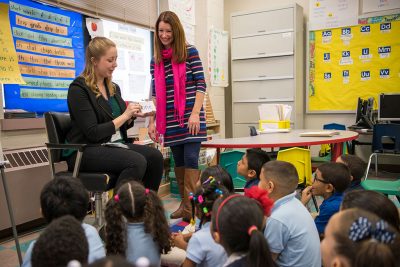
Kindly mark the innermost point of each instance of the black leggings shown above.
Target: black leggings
(139, 162)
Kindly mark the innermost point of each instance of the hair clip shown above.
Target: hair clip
(191, 196)
(200, 199)
(205, 210)
(219, 191)
(116, 198)
(209, 180)
(147, 191)
(361, 229)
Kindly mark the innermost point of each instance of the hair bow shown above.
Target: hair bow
(361, 229)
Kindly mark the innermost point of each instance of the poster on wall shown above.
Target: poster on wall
(9, 70)
(379, 5)
(185, 10)
(332, 13)
(134, 54)
(350, 62)
(50, 49)
(218, 57)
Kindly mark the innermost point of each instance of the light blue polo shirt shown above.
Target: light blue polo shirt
(141, 244)
(96, 247)
(291, 233)
(203, 250)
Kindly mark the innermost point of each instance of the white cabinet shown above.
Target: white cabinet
(267, 64)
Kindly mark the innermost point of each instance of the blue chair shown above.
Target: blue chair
(325, 151)
(385, 141)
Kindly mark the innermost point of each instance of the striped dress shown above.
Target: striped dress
(195, 82)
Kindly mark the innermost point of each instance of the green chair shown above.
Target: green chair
(228, 161)
(389, 188)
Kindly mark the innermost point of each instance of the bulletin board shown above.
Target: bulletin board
(350, 62)
(50, 49)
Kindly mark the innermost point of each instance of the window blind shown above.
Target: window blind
(139, 12)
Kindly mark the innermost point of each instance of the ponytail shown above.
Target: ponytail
(374, 253)
(115, 228)
(259, 254)
(155, 222)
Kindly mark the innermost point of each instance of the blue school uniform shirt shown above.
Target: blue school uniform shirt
(251, 183)
(203, 250)
(291, 233)
(96, 247)
(141, 244)
(328, 207)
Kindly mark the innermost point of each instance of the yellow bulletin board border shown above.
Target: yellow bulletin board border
(350, 62)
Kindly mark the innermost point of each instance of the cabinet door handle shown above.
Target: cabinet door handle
(261, 53)
(262, 98)
(261, 31)
(262, 76)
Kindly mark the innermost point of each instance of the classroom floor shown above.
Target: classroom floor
(8, 252)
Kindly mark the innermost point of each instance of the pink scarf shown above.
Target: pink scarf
(179, 73)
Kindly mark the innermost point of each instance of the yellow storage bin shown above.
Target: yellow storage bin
(270, 124)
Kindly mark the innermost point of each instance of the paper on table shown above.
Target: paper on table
(319, 133)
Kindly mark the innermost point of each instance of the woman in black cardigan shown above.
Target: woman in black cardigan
(99, 115)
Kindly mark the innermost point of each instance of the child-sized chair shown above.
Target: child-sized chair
(228, 161)
(301, 159)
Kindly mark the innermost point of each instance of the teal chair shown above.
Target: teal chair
(385, 142)
(228, 161)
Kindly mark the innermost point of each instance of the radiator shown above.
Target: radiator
(26, 174)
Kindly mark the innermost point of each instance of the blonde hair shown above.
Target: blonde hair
(179, 42)
(96, 48)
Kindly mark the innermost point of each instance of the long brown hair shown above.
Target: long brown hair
(96, 48)
(179, 43)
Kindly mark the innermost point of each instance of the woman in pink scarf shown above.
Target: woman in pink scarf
(178, 89)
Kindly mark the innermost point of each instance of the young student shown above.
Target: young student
(330, 181)
(201, 250)
(355, 238)
(220, 175)
(136, 225)
(237, 223)
(62, 241)
(250, 165)
(373, 202)
(290, 230)
(67, 196)
(357, 169)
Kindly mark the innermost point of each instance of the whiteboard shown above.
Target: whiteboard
(134, 54)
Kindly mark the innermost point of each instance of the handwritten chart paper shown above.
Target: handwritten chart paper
(9, 71)
(50, 54)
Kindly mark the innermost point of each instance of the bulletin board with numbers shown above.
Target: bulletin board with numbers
(351, 62)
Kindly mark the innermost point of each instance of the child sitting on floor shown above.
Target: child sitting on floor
(136, 225)
(330, 181)
(357, 169)
(358, 238)
(250, 165)
(290, 231)
(67, 196)
(237, 224)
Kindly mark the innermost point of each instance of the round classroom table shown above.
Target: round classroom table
(286, 139)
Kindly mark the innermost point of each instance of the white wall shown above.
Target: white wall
(311, 121)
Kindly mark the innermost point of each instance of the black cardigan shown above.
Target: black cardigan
(91, 116)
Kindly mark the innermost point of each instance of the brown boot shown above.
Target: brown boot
(191, 178)
(180, 176)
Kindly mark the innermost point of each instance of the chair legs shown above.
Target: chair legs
(369, 165)
(98, 221)
(314, 200)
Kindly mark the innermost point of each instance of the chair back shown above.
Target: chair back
(57, 126)
(228, 161)
(386, 138)
(334, 126)
(301, 159)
